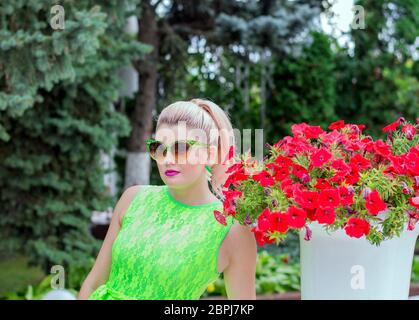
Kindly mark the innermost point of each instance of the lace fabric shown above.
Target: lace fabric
(165, 249)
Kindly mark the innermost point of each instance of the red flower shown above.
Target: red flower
(374, 203)
(346, 197)
(341, 166)
(286, 186)
(356, 227)
(413, 219)
(325, 215)
(320, 157)
(237, 173)
(337, 125)
(299, 171)
(303, 129)
(329, 198)
(229, 203)
(283, 161)
(280, 172)
(264, 178)
(263, 220)
(414, 202)
(392, 126)
(278, 222)
(409, 131)
(359, 162)
(322, 184)
(353, 176)
(307, 199)
(220, 217)
(261, 237)
(382, 148)
(412, 163)
(296, 217)
(313, 132)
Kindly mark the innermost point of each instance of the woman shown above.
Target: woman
(164, 242)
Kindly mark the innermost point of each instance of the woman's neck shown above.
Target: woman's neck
(195, 194)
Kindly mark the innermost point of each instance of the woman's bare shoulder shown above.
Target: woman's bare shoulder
(241, 238)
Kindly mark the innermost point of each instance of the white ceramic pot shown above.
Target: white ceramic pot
(336, 266)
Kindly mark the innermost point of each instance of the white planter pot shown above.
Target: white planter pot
(336, 266)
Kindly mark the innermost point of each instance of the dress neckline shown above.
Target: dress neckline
(169, 195)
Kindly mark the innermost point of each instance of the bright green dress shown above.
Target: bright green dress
(165, 249)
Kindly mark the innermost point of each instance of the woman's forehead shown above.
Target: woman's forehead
(169, 134)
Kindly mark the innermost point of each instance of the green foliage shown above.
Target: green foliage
(377, 81)
(415, 269)
(304, 89)
(274, 274)
(57, 89)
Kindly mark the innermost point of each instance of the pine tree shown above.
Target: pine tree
(57, 89)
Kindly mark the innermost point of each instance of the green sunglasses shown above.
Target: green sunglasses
(158, 149)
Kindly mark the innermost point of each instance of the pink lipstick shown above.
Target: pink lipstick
(171, 173)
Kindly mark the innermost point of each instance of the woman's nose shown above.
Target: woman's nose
(169, 158)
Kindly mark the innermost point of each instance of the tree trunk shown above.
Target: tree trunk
(137, 168)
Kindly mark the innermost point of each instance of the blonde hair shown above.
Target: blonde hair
(209, 117)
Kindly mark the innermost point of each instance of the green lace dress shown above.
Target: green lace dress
(165, 249)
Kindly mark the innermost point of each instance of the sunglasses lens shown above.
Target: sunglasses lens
(156, 149)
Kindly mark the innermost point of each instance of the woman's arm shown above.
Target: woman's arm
(100, 270)
(240, 274)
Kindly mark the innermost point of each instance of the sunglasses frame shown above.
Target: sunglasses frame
(190, 142)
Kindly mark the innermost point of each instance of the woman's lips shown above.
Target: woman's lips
(171, 173)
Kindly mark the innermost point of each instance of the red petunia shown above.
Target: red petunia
(306, 199)
(283, 161)
(263, 220)
(296, 217)
(286, 186)
(337, 125)
(278, 221)
(229, 203)
(414, 202)
(412, 163)
(280, 172)
(299, 171)
(303, 129)
(329, 198)
(359, 162)
(346, 197)
(320, 157)
(382, 148)
(409, 131)
(220, 217)
(261, 237)
(374, 203)
(353, 177)
(392, 126)
(322, 184)
(264, 178)
(356, 227)
(325, 215)
(341, 166)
